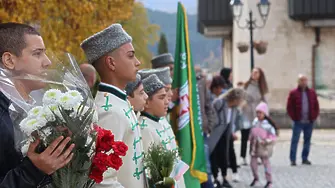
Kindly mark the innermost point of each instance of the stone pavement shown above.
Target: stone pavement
(320, 175)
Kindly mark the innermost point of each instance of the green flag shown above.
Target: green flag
(187, 112)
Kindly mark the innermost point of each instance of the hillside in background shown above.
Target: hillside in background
(170, 6)
(202, 48)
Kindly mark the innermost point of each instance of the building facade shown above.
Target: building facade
(300, 36)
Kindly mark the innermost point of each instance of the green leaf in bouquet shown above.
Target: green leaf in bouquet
(88, 115)
(93, 141)
(159, 162)
(166, 183)
(88, 118)
(77, 172)
(82, 106)
(69, 121)
(165, 171)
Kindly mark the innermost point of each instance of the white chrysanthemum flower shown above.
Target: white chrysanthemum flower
(51, 96)
(24, 122)
(47, 114)
(31, 125)
(67, 102)
(77, 97)
(35, 112)
(41, 121)
(50, 112)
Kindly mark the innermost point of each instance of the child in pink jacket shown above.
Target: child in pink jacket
(262, 139)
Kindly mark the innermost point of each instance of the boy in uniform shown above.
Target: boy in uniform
(111, 53)
(156, 109)
(136, 94)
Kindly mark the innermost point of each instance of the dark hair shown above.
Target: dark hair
(225, 73)
(272, 123)
(132, 93)
(217, 81)
(12, 37)
(262, 84)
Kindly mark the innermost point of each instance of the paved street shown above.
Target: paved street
(320, 174)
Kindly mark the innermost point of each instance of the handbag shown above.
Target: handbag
(264, 149)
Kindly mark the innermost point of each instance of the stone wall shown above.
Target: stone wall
(325, 120)
(289, 52)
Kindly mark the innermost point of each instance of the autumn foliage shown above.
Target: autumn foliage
(143, 32)
(64, 24)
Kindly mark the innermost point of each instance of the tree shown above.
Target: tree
(162, 45)
(143, 33)
(64, 24)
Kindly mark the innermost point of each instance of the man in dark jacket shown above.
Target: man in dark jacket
(303, 108)
(22, 51)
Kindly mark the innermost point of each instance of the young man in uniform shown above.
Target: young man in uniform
(163, 61)
(164, 76)
(112, 54)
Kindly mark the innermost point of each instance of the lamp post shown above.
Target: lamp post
(251, 24)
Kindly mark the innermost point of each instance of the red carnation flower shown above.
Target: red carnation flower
(105, 140)
(115, 161)
(101, 161)
(120, 148)
(96, 175)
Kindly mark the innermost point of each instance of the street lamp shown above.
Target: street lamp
(263, 9)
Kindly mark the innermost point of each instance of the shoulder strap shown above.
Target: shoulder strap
(221, 110)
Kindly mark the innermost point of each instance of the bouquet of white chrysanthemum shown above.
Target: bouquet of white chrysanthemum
(64, 114)
(54, 115)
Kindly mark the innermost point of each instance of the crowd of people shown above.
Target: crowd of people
(245, 109)
(242, 109)
(135, 105)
